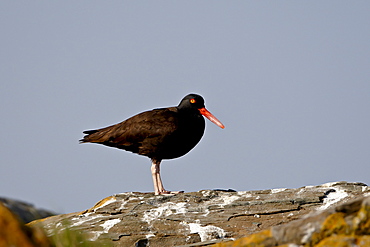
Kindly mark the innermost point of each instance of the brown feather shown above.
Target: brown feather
(157, 134)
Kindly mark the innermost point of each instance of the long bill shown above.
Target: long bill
(211, 118)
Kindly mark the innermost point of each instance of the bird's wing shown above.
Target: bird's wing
(130, 134)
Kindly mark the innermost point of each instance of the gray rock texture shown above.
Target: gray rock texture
(199, 218)
(344, 225)
(25, 211)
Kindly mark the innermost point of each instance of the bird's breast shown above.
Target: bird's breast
(188, 133)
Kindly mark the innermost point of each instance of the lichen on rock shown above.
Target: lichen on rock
(302, 216)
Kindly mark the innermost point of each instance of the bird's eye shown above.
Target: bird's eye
(192, 101)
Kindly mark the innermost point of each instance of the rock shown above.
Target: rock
(347, 224)
(25, 211)
(201, 218)
(16, 234)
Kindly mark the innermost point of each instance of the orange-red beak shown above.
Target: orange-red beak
(211, 118)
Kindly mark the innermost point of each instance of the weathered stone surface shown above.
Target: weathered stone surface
(16, 234)
(25, 211)
(347, 224)
(201, 218)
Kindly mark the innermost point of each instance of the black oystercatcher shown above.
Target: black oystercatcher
(164, 133)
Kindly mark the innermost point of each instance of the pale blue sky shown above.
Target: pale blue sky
(289, 79)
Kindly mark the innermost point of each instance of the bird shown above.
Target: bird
(161, 133)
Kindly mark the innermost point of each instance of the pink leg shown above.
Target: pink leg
(157, 181)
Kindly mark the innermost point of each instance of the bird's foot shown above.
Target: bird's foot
(167, 192)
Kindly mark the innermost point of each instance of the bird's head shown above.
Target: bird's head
(196, 102)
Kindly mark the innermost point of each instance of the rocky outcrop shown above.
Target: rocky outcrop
(14, 233)
(204, 217)
(25, 211)
(345, 225)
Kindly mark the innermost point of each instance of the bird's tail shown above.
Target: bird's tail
(87, 132)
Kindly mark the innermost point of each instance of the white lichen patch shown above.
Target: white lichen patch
(81, 219)
(150, 235)
(224, 198)
(228, 199)
(308, 231)
(93, 235)
(332, 198)
(245, 194)
(109, 224)
(366, 194)
(165, 210)
(206, 212)
(206, 193)
(136, 198)
(206, 233)
(273, 191)
(123, 204)
(304, 189)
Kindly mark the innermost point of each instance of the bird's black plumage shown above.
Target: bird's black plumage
(163, 133)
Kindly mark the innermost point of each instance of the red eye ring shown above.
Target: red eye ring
(192, 101)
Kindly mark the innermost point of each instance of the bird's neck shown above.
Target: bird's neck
(188, 111)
